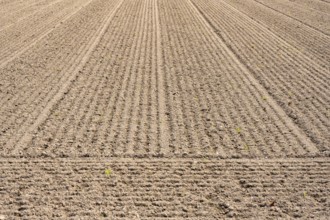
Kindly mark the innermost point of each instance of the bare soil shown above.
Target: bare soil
(164, 109)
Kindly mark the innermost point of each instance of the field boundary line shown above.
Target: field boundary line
(163, 124)
(16, 54)
(157, 159)
(316, 29)
(28, 134)
(254, 82)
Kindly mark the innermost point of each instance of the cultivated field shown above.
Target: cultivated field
(164, 109)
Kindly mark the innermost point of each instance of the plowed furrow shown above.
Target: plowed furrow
(24, 106)
(165, 189)
(316, 5)
(298, 85)
(312, 18)
(214, 108)
(164, 109)
(25, 13)
(305, 39)
(93, 92)
(8, 7)
(22, 35)
(113, 102)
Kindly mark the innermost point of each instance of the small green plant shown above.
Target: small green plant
(246, 147)
(305, 194)
(108, 172)
(264, 98)
(238, 130)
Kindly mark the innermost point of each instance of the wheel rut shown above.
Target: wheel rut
(162, 106)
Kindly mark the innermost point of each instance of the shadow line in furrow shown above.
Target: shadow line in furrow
(28, 132)
(246, 69)
(302, 22)
(16, 54)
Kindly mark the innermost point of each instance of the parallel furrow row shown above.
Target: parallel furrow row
(113, 102)
(25, 13)
(312, 18)
(46, 67)
(12, 6)
(165, 189)
(214, 108)
(299, 85)
(22, 34)
(314, 4)
(310, 42)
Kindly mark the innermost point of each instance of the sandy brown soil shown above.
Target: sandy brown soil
(165, 189)
(201, 109)
(310, 42)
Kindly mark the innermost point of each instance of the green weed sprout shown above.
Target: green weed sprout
(264, 98)
(246, 147)
(238, 130)
(108, 172)
(305, 194)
